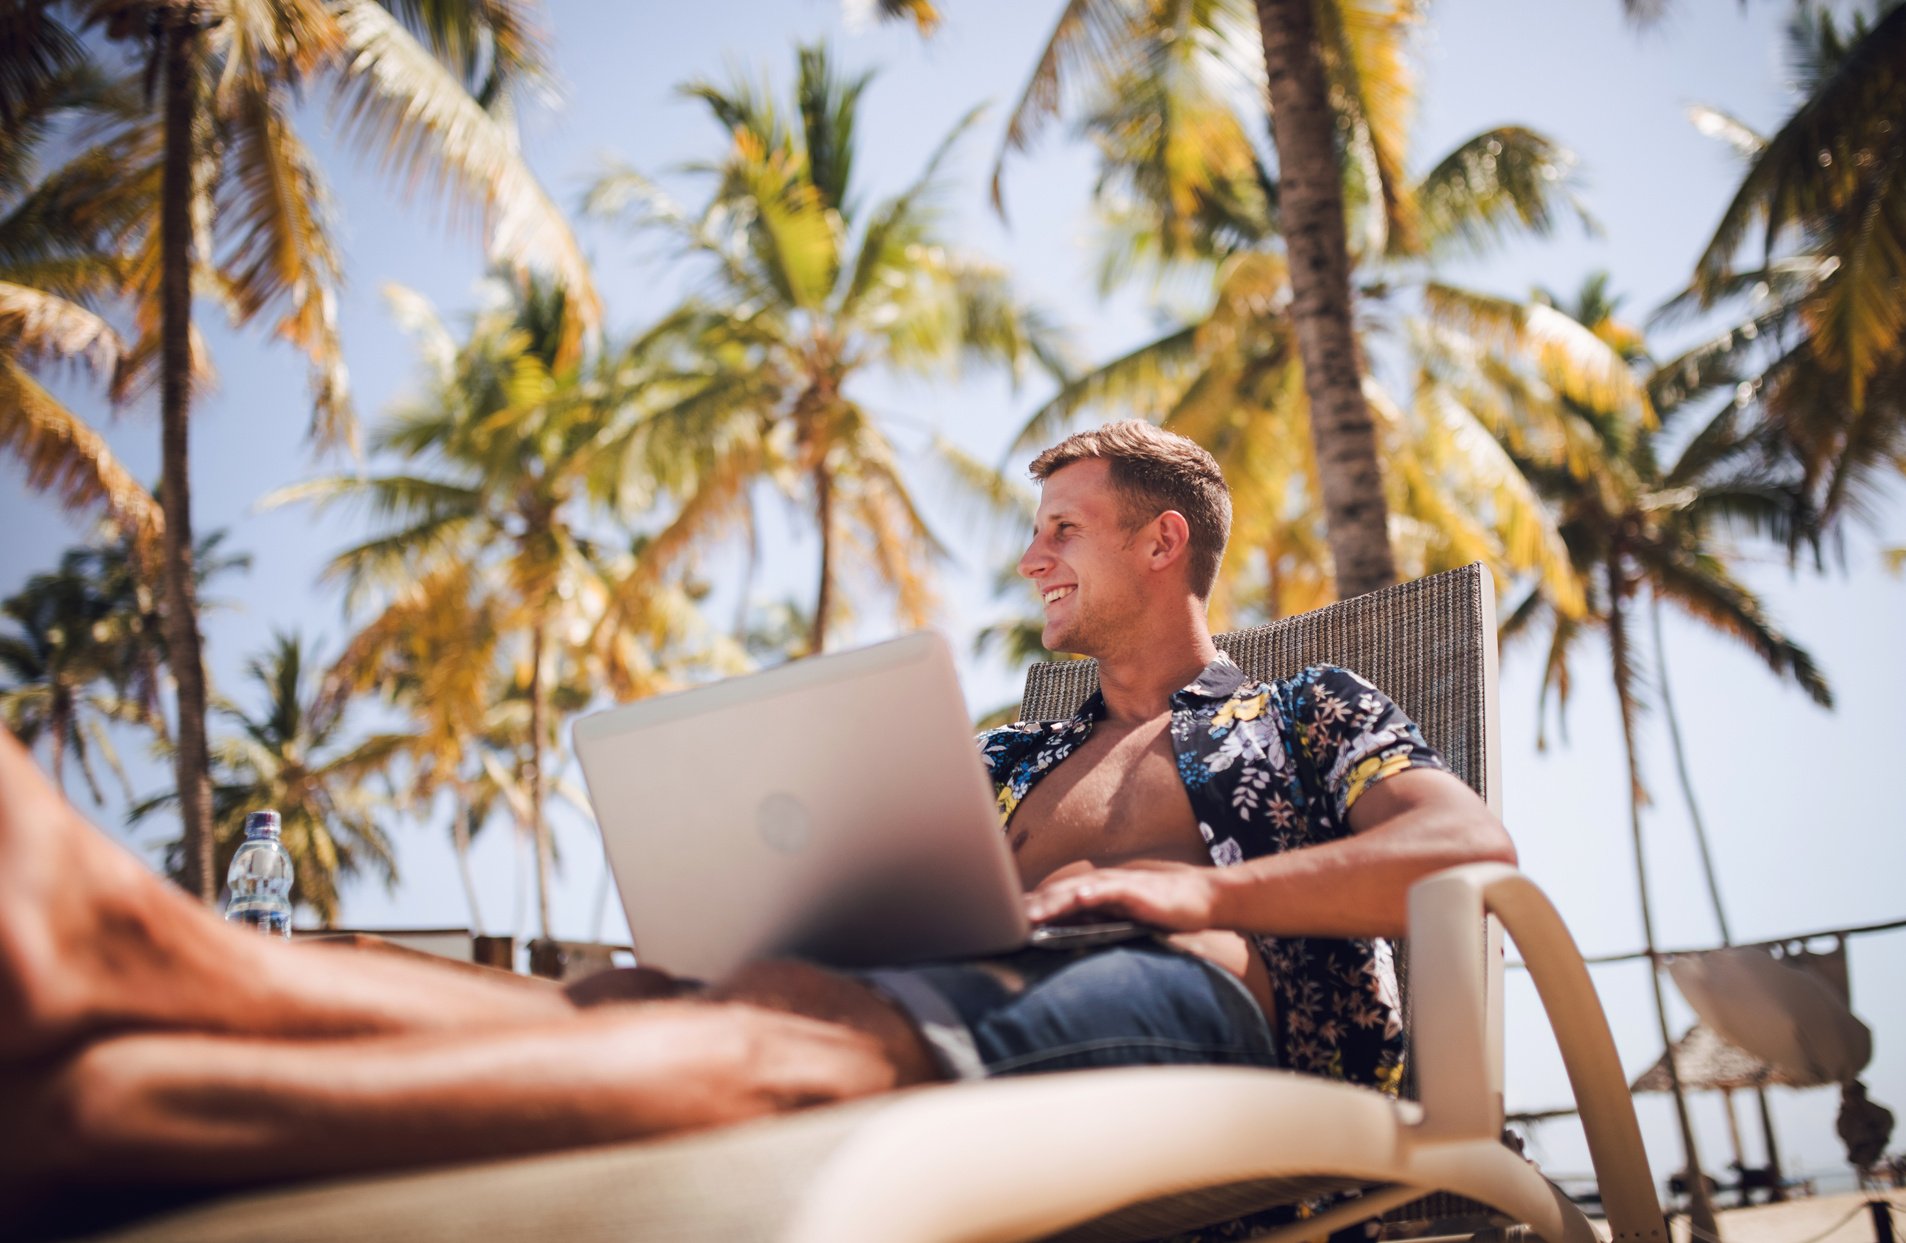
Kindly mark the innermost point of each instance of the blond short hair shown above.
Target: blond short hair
(1153, 470)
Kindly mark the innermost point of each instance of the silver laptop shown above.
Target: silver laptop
(833, 808)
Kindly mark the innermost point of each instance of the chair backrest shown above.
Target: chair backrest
(1429, 644)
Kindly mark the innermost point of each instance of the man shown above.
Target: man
(141, 1040)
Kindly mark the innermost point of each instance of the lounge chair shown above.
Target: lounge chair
(1116, 1154)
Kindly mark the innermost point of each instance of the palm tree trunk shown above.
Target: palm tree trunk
(1681, 771)
(1776, 1192)
(148, 633)
(183, 647)
(460, 840)
(1310, 204)
(1700, 1206)
(538, 826)
(57, 761)
(824, 515)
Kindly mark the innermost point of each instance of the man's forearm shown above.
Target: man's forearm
(1359, 885)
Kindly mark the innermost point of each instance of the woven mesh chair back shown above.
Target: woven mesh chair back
(1429, 644)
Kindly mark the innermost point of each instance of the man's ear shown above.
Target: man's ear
(1170, 538)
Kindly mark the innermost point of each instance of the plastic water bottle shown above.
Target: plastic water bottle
(260, 879)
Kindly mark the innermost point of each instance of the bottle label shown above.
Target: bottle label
(271, 921)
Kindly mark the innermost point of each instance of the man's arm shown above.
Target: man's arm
(1403, 828)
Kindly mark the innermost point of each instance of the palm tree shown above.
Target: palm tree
(65, 679)
(63, 239)
(1821, 351)
(453, 744)
(495, 542)
(290, 756)
(1637, 521)
(1331, 74)
(1191, 203)
(811, 287)
(226, 150)
(89, 651)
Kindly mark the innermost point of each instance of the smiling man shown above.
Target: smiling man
(1262, 836)
(1269, 830)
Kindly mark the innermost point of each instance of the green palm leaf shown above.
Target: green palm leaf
(430, 128)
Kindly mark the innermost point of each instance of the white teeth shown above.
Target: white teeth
(1058, 593)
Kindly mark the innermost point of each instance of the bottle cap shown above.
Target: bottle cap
(261, 822)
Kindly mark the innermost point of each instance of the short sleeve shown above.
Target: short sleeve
(1354, 735)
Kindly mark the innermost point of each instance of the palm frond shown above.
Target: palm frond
(1502, 178)
(430, 127)
(922, 13)
(1568, 355)
(1147, 380)
(64, 456)
(1727, 128)
(497, 47)
(1702, 588)
(1531, 540)
(1812, 166)
(279, 249)
(1366, 44)
(896, 224)
(41, 51)
(37, 324)
(1091, 41)
(829, 107)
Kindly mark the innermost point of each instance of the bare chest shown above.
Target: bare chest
(1117, 798)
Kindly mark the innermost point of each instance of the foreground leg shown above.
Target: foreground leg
(91, 942)
(187, 1110)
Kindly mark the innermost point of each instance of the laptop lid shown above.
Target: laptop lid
(833, 808)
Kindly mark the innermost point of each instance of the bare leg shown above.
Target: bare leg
(139, 1034)
(91, 942)
(187, 1110)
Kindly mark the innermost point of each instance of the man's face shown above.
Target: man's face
(1088, 569)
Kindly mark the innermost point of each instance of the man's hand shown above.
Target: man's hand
(1177, 897)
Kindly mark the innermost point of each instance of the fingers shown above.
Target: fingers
(1058, 899)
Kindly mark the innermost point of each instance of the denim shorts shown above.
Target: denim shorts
(1136, 1003)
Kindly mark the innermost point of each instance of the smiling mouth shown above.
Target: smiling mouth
(1057, 594)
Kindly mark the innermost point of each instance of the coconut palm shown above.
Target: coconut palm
(65, 679)
(1639, 520)
(238, 193)
(1191, 205)
(1338, 82)
(810, 286)
(1820, 353)
(290, 755)
(1167, 94)
(495, 552)
(63, 239)
(89, 651)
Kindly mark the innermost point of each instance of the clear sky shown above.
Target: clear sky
(1805, 821)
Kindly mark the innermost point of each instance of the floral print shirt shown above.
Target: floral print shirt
(1270, 767)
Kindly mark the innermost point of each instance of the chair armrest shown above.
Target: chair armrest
(1450, 978)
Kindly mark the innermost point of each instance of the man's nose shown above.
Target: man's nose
(1033, 562)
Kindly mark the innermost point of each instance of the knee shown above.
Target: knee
(842, 1003)
(619, 984)
(783, 1062)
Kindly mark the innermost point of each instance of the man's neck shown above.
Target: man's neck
(1137, 681)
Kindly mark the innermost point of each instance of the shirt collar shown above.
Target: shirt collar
(1217, 680)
